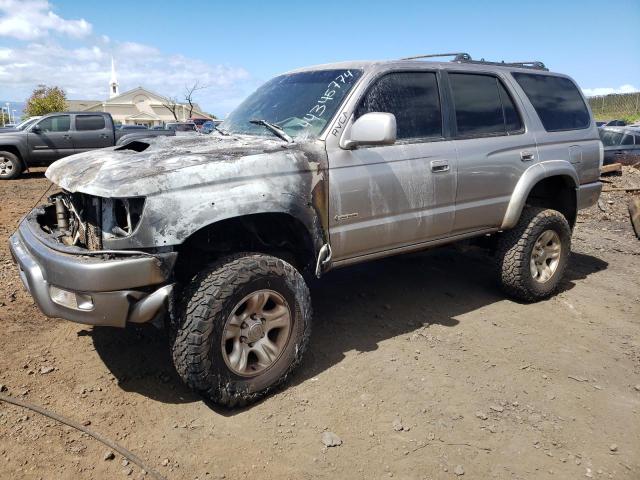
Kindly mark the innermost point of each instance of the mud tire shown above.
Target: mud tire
(208, 301)
(515, 247)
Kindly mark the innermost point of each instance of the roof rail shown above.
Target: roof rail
(462, 57)
(458, 56)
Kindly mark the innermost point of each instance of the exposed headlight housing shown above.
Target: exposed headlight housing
(120, 216)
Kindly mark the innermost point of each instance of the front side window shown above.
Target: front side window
(627, 139)
(412, 97)
(557, 101)
(300, 103)
(90, 122)
(483, 106)
(609, 138)
(61, 123)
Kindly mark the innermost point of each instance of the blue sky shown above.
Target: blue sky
(234, 46)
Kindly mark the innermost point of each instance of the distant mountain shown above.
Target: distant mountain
(17, 106)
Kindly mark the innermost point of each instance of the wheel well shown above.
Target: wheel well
(14, 150)
(558, 193)
(277, 234)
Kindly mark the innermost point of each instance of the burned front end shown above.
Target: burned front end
(60, 252)
(82, 220)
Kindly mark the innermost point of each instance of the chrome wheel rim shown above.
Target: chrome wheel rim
(256, 333)
(6, 167)
(545, 256)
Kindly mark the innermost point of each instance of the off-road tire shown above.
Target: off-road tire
(15, 166)
(515, 247)
(207, 303)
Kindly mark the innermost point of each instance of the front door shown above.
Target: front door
(386, 197)
(51, 139)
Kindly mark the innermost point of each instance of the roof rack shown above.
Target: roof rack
(461, 57)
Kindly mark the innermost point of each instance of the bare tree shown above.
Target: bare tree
(189, 92)
(172, 105)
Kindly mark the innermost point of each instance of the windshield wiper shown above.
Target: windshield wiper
(275, 129)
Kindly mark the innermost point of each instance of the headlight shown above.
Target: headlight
(120, 216)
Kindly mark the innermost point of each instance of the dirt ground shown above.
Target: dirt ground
(418, 363)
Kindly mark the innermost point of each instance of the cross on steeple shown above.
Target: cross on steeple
(114, 90)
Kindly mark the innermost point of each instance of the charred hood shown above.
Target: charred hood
(146, 166)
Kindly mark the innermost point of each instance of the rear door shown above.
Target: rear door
(493, 145)
(92, 131)
(386, 197)
(567, 131)
(52, 140)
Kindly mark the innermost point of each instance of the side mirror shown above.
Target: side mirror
(375, 128)
(36, 129)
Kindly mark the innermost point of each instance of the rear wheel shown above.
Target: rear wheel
(243, 328)
(533, 256)
(10, 166)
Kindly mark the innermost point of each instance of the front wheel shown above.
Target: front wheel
(533, 256)
(10, 166)
(243, 326)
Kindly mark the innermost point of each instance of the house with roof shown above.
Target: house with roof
(138, 106)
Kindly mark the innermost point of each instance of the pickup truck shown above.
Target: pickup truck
(323, 167)
(59, 135)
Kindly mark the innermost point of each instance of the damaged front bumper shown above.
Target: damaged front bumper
(93, 288)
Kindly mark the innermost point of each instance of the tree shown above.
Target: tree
(4, 118)
(172, 105)
(45, 100)
(189, 92)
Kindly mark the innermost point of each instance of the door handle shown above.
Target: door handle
(527, 156)
(438, 166)
(67, 137)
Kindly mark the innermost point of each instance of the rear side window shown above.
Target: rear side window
(61, 123)
(90, 122)
(412, 97)
(556, 100)
(483, 106)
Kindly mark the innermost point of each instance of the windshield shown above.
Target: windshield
(26, 123)
(299, 103)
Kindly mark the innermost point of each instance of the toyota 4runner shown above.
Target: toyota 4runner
(320, 168)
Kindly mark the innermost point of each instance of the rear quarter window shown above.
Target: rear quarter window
(557, 101)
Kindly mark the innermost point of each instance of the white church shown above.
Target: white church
(136, 107)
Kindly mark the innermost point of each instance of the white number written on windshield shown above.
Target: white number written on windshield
(316, 112)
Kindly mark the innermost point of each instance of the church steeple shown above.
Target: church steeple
(114, 91)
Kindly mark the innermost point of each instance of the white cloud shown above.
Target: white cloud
(83, 71)
(594, 92)
(33, 19)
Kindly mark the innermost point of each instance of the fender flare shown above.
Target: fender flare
(532, 175)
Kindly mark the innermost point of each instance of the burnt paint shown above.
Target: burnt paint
(193, 182)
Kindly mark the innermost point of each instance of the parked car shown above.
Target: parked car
(182, 128)
(22, 125)
(321, 168)
(58, 135)
(615, 123)
(621, 145)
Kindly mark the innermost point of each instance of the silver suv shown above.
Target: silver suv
(320, 168)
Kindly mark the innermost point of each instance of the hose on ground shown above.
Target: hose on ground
(109, 443)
